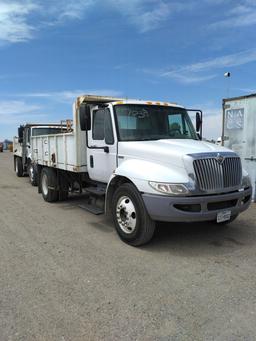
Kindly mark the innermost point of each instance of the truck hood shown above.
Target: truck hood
(166, 151)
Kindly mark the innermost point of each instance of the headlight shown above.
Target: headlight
(246, 181)
(176, 189)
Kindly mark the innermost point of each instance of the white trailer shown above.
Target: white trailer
(141, 161)
(239, 131)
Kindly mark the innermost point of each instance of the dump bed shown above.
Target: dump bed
(66, 151)
(61, 151)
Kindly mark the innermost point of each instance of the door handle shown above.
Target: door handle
(91, 161)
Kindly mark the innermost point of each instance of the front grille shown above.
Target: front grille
(212, 175)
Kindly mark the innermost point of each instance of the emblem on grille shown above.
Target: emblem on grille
(220, 158)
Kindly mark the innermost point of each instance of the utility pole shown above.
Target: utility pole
(228, 75)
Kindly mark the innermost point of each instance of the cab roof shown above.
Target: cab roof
(92, 99)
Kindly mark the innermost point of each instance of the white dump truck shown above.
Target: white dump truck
(22, 151)
(141, 161)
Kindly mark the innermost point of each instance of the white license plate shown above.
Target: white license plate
(223, 216)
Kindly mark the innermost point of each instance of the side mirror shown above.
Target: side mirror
(199, 124)
(85, 117)
(20, 134)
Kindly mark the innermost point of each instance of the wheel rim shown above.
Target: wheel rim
(31, 173)
(126, 214)
(44, 184)
(16, 166)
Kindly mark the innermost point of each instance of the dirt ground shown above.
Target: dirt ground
(65, 275)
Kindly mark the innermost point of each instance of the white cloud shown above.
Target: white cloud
(180, 75)
(242, 20)
(212, 120)
(145, 14)
(247, 90)
(240, 15)
(199, 72)
(230, 60)
(72, 9)
(189, 78)
(68, 96)
(17, 112)
(13, 21)
(17, 24)
(16, 108)
(212, 126)
(148, 15)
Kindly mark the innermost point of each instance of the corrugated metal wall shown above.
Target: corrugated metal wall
(239, 131)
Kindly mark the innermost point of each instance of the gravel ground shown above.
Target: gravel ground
(65, 275)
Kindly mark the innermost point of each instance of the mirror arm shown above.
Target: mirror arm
(105, 148)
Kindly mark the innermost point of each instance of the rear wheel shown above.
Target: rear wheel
(132, 222)
(64, 187)
(48, 183)
(18, 167)
(63, 195)
(32, 173)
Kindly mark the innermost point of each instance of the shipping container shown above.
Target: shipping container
(239, 131)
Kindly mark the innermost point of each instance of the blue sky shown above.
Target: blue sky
(52, 51)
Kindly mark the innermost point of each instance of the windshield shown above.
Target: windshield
(137, 122)
(46, 131)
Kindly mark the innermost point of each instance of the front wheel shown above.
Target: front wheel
(32, 173)
(132, 222)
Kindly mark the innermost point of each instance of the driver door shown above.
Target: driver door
(101, 163)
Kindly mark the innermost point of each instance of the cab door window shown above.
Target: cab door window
(28, 133)
(102, 126)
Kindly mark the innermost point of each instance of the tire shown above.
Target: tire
(128, 208)
(63, 195)
(18, 167)
(64, 186)
(48, 183)
(32, 173)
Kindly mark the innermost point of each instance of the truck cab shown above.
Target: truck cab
(22, 146)
(137, 130)
(151, 150)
